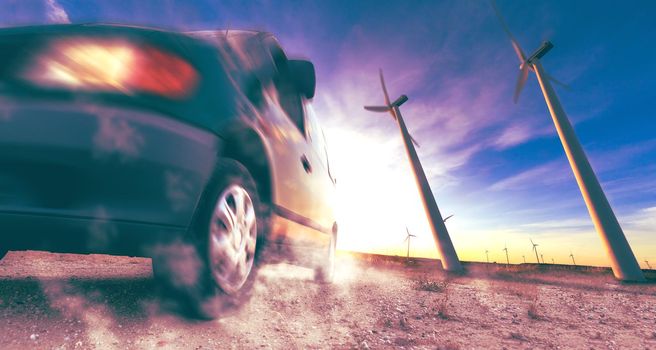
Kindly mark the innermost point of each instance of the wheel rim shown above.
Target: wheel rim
(233, 236)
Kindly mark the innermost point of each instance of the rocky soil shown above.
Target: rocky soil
(63, 301)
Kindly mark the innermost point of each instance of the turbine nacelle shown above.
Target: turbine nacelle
(540, 52)
(390, 107)
(525, 64)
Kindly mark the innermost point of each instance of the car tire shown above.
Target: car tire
(324, 272)
(213, 270)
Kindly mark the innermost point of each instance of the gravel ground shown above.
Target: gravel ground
(65, 301)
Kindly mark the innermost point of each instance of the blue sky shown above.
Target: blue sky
(499, 167)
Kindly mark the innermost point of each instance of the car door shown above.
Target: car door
(292, 158)
(322, 183)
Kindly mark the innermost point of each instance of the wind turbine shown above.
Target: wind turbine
(449, 258)
(623, 262)
(407, 238)
(542, 256)
(487, 257)
(572, 256)
(553, 262)
(524, 257)
(506, 250)
(647, 262)
(535, 249)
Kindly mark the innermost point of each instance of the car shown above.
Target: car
(200, 150)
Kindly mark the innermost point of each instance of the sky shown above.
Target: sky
(497, 166)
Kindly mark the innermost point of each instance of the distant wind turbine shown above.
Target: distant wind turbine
(506, 250)
(542, 256)
(572, 256)
(487, 257)
(524, 257)
(535, 249)
(552, 261)
(407, 238)
(449, 258)
(647, 262)
(623, 262)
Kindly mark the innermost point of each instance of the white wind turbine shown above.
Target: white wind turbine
(535, 249)
(448, 255)
(623, 262)
(506, 250)
(571, 255)
(407, 238)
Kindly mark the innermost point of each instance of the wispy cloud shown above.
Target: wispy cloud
(55, 12)
(542, 175)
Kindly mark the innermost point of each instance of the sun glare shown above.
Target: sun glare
(377, 197)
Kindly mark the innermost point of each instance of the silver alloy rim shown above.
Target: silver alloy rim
(233, 236)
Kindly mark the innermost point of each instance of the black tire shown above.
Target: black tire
(185, 269)
(324, 272)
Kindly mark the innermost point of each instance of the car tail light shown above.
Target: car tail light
(94, 65)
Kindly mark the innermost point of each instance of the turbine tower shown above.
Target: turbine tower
(553, 262)
(506, 250)
(407, 238)
(535, 249)
(487, 257)
(542, 256)
(571, 255)
(524, 257)
(449, 258)
(623, 262)
(647, 262)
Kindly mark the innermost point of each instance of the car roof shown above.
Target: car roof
(222, 35)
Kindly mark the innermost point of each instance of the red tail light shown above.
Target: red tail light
(94, 65)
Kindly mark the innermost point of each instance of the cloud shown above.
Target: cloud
(547, 174)
(55, 12)
(642, 221)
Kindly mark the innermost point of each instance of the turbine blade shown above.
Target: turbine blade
(382, 84)
(413, 140)
(558, 82)
(378, 109)
(518, 50)
(521, 80)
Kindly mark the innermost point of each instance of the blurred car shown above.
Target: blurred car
(200, 150)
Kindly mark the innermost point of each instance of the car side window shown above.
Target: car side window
(290, 100)
(315, 135)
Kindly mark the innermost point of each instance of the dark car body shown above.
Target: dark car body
(100, 167)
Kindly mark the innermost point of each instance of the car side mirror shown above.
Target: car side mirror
(304, 77)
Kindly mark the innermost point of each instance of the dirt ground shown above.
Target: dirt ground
(65, 301)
